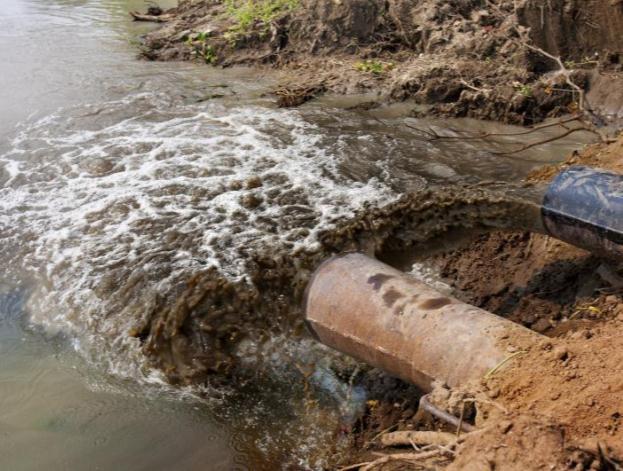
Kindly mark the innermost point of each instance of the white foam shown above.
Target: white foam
(116, 184)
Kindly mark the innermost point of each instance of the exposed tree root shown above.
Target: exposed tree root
(411, 437)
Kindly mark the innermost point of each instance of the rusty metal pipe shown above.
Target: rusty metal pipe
(371, 311)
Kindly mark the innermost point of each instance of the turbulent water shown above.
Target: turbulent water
(164, 218)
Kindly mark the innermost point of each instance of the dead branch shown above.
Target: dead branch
(430, 133)
(472, 87)
(410, 457)
(435, 411)
(560, 122)
(562, 70)
(543, 141)
(411, 437)
(153, 18)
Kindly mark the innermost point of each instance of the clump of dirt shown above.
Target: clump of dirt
(574, 380)
(520, 443)
(472, 58)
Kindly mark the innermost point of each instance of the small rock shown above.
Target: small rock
(541, 325)
(506, 426)
(154, 10)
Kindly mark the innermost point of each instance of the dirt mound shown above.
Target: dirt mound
(574, 380)
(521, 443)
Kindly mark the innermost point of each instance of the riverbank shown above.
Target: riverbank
(493, 60)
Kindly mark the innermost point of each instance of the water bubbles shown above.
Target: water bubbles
(127, 201)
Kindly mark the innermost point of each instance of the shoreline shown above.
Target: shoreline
(496, 62)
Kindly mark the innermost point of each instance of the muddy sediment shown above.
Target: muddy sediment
(461, 58)
(192, 334)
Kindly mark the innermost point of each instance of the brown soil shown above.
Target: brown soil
(458, 58)
(573, 381)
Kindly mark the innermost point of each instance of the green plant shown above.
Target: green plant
(374, 66)
(201, 48)
(209, 54)
(246, 13)
(525, 90)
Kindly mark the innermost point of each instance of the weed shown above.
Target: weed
(201, 48)
(374, 66)
(525, 90)
(246, 13)
(209, 54)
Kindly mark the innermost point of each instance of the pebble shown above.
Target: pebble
(541, 325)
(506, 426)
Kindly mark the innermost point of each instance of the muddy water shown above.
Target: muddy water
(156, 222)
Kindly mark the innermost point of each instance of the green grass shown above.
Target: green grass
(374, 66)
(201, 48)
(246, 13)
(525, 90)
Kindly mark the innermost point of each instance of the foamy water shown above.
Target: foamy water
(172, 189)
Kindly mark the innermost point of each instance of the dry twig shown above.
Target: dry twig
(410, 457)
(152, 18)
(411, 437)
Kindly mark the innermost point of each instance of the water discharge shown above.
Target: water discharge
(162, 219)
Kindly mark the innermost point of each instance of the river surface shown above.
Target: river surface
(112, 167)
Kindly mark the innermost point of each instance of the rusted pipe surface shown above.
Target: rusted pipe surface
(390, 320)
